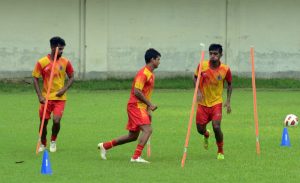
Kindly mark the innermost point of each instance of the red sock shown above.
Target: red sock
(44, 142)
(206, 134)
(110, 144)
(53, 138)
(138, 151)
(220, 147)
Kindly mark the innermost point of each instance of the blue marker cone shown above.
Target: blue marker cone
(46, 166)
(285, 141)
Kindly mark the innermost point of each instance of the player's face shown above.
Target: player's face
(214, 55)
(60, 50)
(156, 62)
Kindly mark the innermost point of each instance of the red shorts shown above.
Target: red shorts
(207, 114)
(55, 106)
(136, 117)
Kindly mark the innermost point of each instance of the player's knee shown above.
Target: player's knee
(216, 128)
(150, 131)
(56, 120)
(201, 131)
(147, 130)
(133, 137)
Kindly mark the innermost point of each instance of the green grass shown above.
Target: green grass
(91, 117)
(168, 83)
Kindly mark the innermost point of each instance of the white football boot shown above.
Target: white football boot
(52, 146)
(102, 150)
(42, 148)
(139, 160)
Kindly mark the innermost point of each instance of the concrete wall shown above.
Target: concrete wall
(108, 38)
(118, 33)
(26, 30)
(272, 27)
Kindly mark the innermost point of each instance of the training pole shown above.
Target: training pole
(149, 141)
(192, 111)
(254, 101)
(46, 102)
(148, 148)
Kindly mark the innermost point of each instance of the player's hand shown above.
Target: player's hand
(60, 92)
(199, 96)
(153, 107)
(228, 107)
(42, 99)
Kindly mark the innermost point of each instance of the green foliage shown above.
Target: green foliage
(167, 83)
(266, 83)
(15, 86)
(92, 117)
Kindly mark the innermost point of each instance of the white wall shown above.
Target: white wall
(119, 32)
(108, 38)
(272, 27)
(26, 30)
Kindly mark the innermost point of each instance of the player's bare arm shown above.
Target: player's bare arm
(38, 90)
(199, 94)
(227, 103)
(149, 113)
(67, 86)
(138, 93)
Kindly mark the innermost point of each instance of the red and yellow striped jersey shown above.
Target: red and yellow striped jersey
(212, 83)
(144, 80)
(43, 68)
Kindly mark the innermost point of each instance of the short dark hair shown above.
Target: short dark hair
(151, 53)
(214, 47)
(55, 41)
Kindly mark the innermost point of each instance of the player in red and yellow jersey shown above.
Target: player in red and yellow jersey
(213, 75)
(57, 96)
(139, 109)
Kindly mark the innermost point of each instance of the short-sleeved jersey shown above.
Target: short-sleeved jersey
(43, 69)
(212, 83)
(144, 80)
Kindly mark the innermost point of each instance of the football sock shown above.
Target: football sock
(220, 147)
(53, 138)
(206, 134)
(110, 144)
(138, 151)
(44, 142)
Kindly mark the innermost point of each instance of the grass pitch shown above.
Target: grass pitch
(91, 117)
